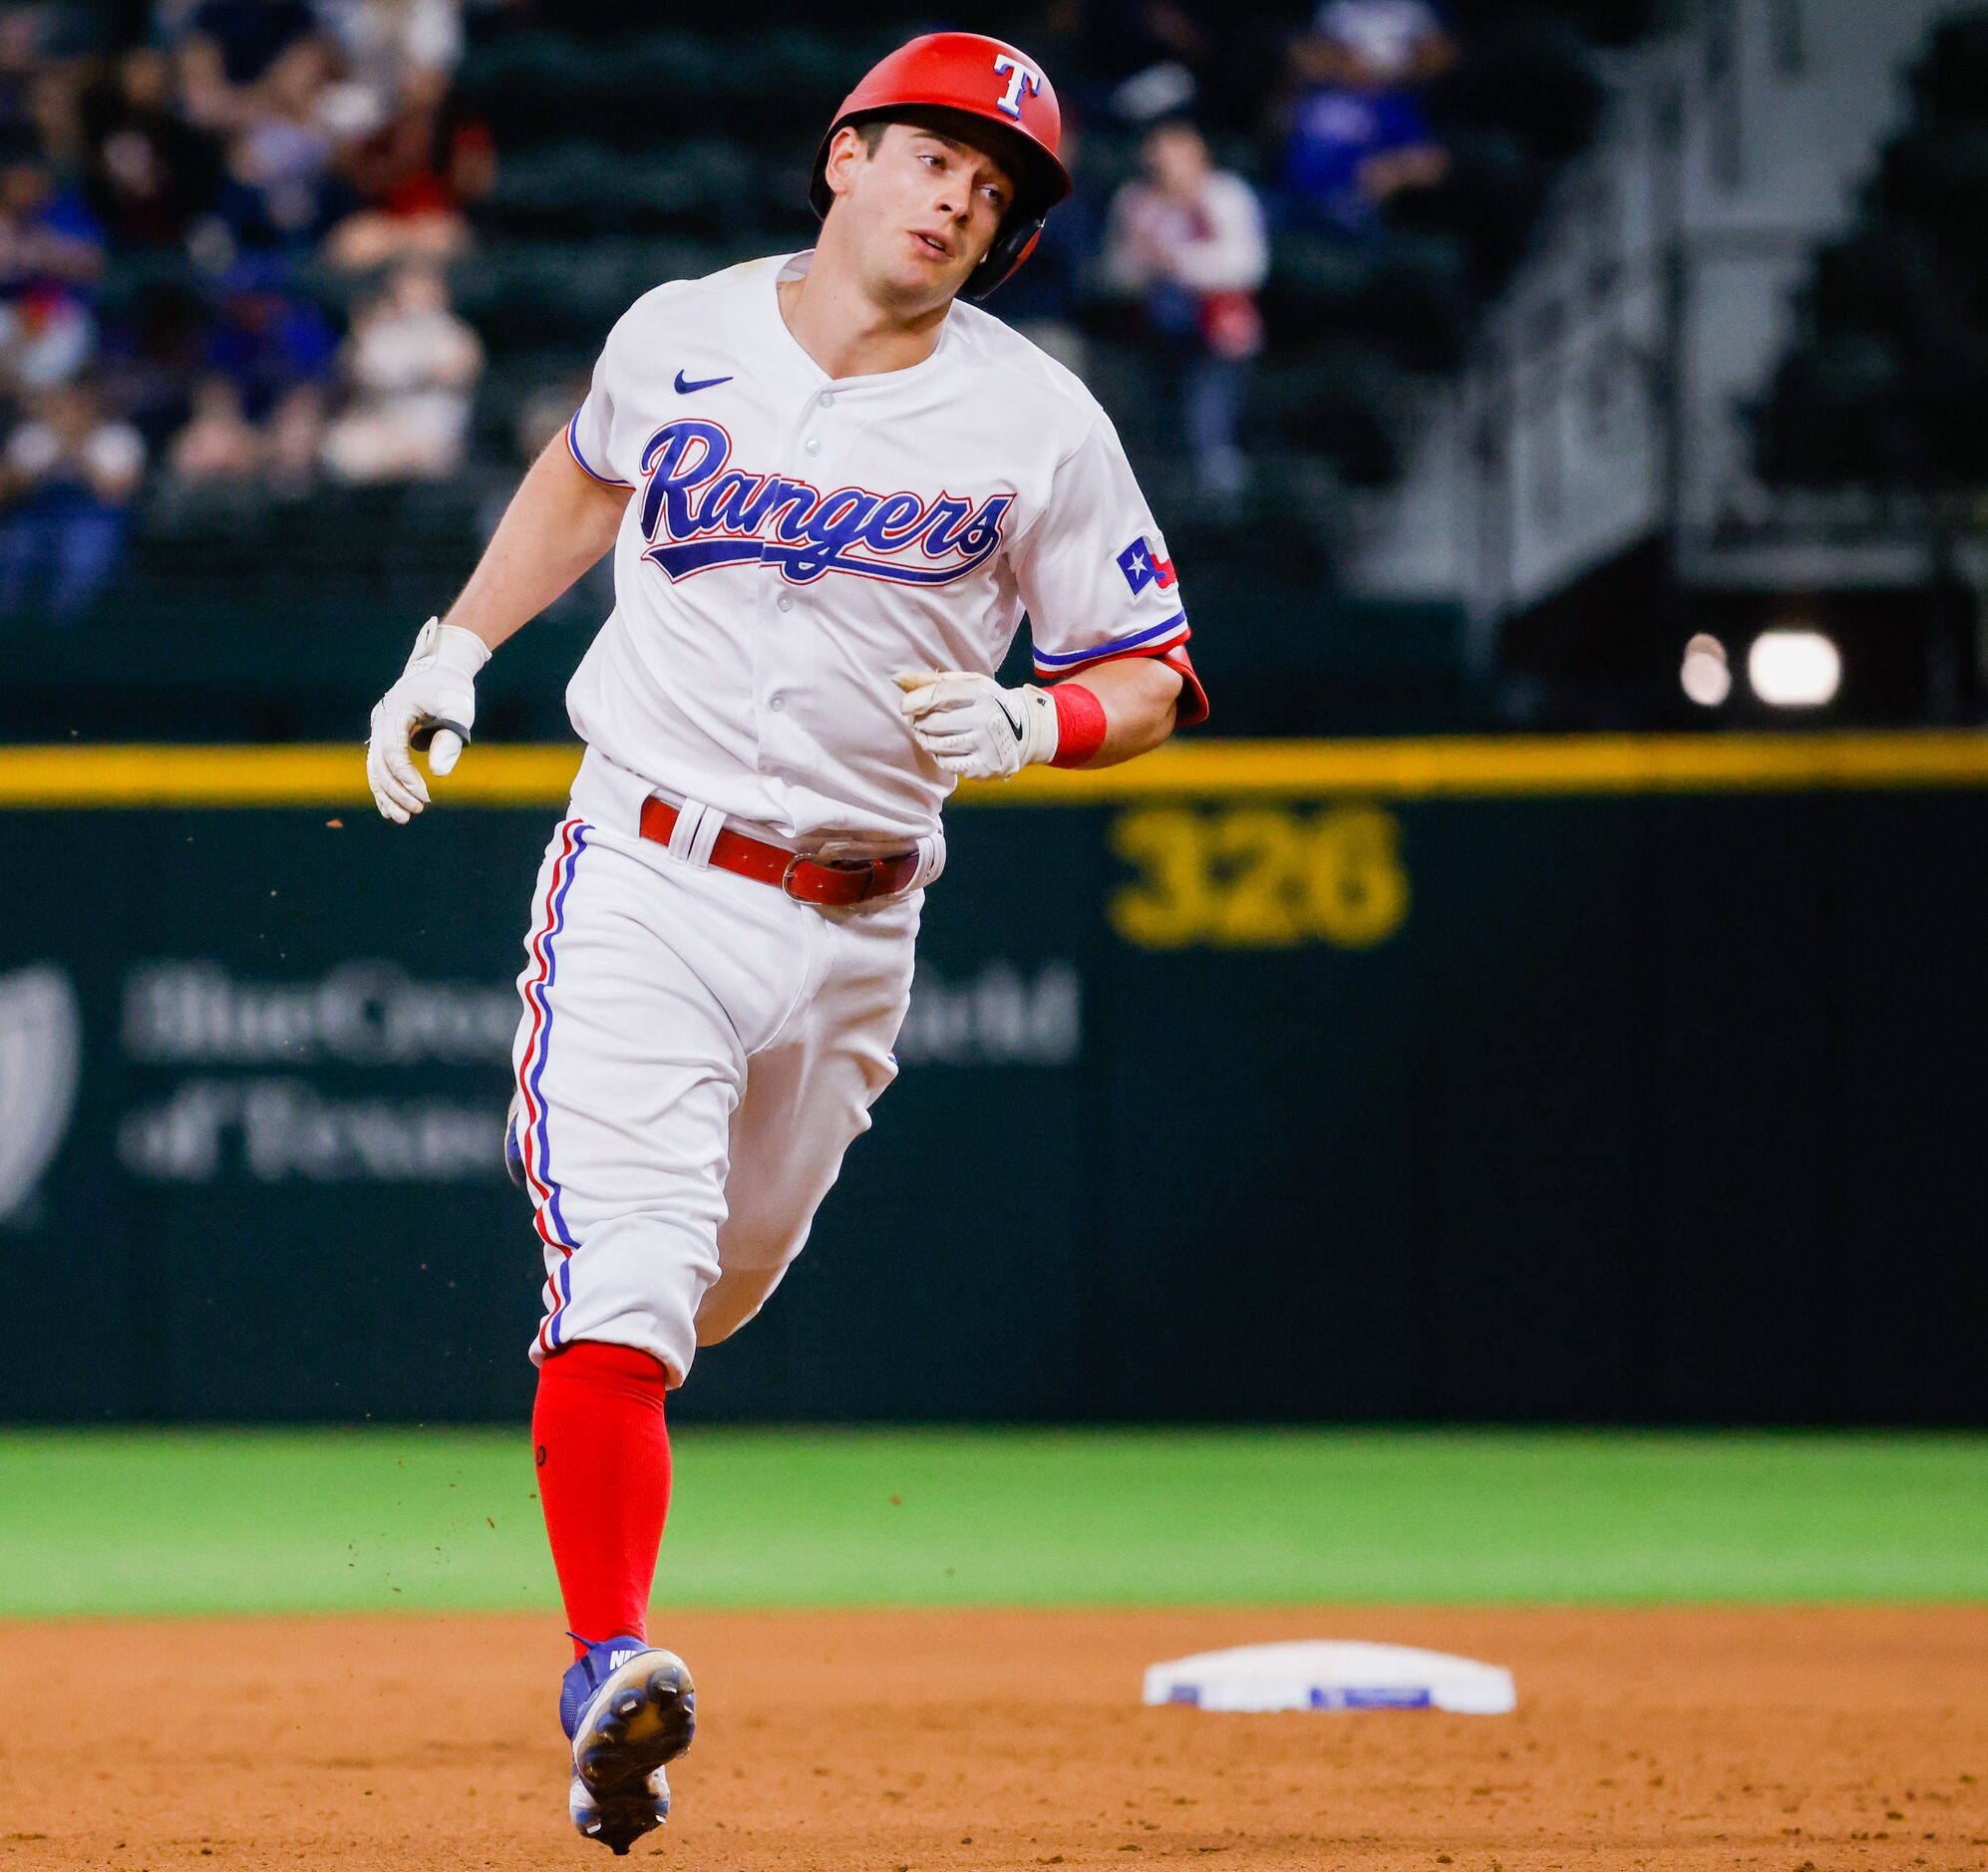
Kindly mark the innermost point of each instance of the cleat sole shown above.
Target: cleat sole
(642, 1718)
(621, 1819)
(644, 1724)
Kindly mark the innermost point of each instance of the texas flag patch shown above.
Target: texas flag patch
(1143, 564)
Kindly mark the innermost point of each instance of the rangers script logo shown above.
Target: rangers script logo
(697, 513)
(41, 1051)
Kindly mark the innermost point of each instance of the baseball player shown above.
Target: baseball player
(832, 492)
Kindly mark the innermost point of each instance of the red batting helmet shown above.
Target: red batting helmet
(981, 78)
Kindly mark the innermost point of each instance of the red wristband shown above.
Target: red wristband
(1080, 724)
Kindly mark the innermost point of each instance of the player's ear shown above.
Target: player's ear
(846, 153)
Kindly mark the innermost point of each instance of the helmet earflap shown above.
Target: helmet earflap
(1012, 245)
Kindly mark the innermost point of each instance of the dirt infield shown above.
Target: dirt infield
(908, 1743)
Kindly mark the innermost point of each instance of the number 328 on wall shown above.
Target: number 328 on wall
(1260, 877)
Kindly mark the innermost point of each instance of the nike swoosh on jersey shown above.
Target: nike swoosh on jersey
(685, 386)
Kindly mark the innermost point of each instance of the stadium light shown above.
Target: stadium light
(1794, 669)
(1706, 677)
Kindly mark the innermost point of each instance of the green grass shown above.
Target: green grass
(223, 1522)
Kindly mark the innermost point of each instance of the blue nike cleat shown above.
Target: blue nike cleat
(628, 1709)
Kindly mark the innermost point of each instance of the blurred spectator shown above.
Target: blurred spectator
(20, 59)
(294, 440)
(55, 121)
(278, 191)
(218, 444)
(413, 175)
(1352, 151)
(386, 44)
(1188, 241)
(412, 366)
(67, 479)
(267, 342)
(1374, 45)
(51, 253)
(1358, 136)
(278, 352)
(149, 172)
(231, 47)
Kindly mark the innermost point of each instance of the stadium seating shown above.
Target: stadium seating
(627, 154)
(596, 211)
(1886, 383)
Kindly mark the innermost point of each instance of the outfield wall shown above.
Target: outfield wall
(1625, 1079)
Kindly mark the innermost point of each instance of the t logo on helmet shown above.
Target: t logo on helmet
(1020, 79)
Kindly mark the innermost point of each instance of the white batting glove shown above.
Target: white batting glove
(434, 704)
(973, 726)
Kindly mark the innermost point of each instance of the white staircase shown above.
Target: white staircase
(1600, 404)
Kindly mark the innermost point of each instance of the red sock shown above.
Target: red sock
(604, 1482)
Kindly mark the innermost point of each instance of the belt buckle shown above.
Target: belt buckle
(867, 867)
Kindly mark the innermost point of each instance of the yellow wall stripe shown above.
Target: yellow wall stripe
(333, 777)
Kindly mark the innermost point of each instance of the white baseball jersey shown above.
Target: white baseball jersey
(795, 540)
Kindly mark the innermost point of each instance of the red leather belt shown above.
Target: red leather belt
(811, 880)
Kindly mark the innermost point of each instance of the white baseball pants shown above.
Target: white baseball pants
(696, 1052)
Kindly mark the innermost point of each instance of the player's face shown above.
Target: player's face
(924, 208)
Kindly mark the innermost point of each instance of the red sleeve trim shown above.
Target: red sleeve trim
(1191, 710)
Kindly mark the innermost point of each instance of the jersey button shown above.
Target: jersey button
(776, 703)
(783, 602)
(814, 445)
(827, 400)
